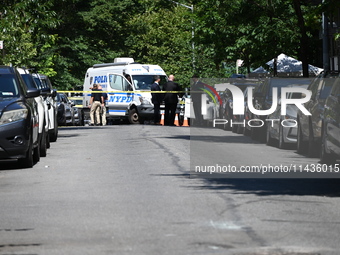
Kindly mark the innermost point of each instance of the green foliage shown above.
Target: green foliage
(22, 24)
(62, 38)
(163, 37)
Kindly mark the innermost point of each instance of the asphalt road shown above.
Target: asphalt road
(127, 189)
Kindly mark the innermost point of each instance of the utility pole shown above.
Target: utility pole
(3, 50)
(325, 38)
(2, 44)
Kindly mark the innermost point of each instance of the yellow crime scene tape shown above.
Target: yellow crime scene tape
(119, 91)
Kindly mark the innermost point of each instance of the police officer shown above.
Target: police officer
(96, 103)
(170, 100)
(156, 99)
(103, 108)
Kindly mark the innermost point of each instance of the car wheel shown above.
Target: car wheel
(227, 126)
(253, 133)
(312, 148)
(134, 117)
(81, 118)
(28, 161)
(246, 131)
(54, 134)
(282, 143)
(325, 158)
(262, 134)
(36, 153)
(61, 115)
(240, 129)
(270, 140)
(43, 147)
(301, 145)
(234, 128)
(48, 144)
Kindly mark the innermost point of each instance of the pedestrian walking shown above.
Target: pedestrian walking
(96, 103)
(156, 99)
(170, 100)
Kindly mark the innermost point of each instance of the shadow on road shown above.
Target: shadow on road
(269, 187)
(10, 165)
(215, 139)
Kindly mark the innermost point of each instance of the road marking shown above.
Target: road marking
(224, 225)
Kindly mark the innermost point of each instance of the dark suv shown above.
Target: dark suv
(330, 139)
(309, 126)
(263, 100)
(19, 121)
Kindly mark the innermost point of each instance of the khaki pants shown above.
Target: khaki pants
(103, 115)
(95, 107)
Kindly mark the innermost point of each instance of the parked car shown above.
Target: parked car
(227, 98)
(49, 94)
(247, 114)
(77, 115)
(19, 119)
(284, 129)
(78, 112)
(65, 111)
(42, 111)
(263, 100)
(309, 127)
(330, 139)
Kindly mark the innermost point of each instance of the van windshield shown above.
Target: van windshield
(144, 82)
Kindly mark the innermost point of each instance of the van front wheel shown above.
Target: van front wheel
(134, 117)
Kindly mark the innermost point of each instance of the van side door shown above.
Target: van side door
(120, 95)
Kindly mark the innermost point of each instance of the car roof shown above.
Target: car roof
(6, 69)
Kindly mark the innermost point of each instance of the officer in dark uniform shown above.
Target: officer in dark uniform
(156, 99)
(170, 100)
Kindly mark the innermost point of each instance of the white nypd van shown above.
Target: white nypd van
(126, 100)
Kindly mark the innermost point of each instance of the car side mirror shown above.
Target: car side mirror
(54, 93)
(45, 91)
(33, 93)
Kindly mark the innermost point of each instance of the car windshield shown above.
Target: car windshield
(144, 82)
(8, 86)
(77, 101)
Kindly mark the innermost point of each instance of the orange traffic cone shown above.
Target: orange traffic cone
(185, 122)
(162, 119)
(176, 120)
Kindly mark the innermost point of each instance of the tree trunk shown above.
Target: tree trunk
(303, 39)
